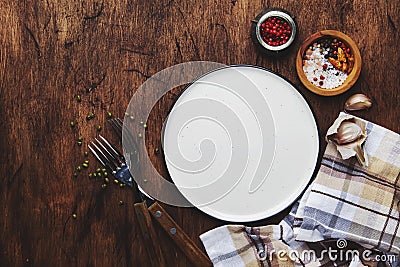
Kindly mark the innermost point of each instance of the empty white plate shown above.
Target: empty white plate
(241, 143)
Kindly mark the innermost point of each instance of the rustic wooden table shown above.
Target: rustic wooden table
(53, 51)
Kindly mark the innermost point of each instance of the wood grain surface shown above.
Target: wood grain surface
(103, 50)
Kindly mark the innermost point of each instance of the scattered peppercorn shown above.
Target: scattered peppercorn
(99, 128)
(156, 151)
(74, 215)
(140, 135)
(116, 181)
(109, 115)
(85, 165)
(103, 186)
(145, 125)
(79, 168)
(121, 203)
(86, 153)
(72, 124)
(78, 98)
(107, 180)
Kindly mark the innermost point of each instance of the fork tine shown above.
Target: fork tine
(117, 155)
(104, 160)
(120, 128)
(117, 126)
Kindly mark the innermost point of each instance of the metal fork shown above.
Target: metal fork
(181, 239)
(109, 156)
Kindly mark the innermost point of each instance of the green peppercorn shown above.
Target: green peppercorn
(90, 175)
(94, 174)
(79, 143)
(116, 181)
(79, 168)
(109, 115)
(105, 173)
(107, 180)
(80, 139)
(99, 174)
(156, 151)
(103, 186)
(72, 124)
(75, 174)
(88, 118)
(103, 170)
(86, 153)
(99, 128)
(74, 216)
(78, 98)
(126, 114)
(121, 185)
(145, 125)
(98, 170)
(121, 203)
(131, 117)
(86, 161)
(85, 165)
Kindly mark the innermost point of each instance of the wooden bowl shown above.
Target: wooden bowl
(352, 76)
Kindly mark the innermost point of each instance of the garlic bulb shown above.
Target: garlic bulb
(358, 102)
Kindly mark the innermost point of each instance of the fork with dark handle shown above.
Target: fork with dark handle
(110, 158)
(181, 239)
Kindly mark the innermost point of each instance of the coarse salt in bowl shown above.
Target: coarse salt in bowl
(328, 63)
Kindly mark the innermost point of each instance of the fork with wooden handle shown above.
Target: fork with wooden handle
(147, 205)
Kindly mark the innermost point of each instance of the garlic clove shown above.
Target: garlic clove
(347, 132)
(358, 102)
(353, 149)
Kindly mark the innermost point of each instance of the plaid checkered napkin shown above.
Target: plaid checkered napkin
(354, 202)
(346, 202)
(238, 245)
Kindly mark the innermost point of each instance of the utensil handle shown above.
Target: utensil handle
(181, 239)
(149, 235)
